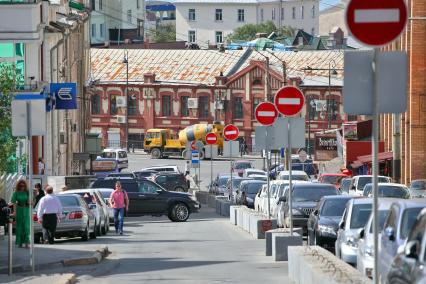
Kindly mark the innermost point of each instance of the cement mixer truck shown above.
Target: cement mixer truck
(160, 143)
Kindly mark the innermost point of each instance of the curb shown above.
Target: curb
(96, 258)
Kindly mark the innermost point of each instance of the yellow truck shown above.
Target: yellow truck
(160, 143)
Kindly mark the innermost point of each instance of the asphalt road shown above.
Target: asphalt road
(205, 249)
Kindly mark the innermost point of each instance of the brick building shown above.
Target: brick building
(176, 88)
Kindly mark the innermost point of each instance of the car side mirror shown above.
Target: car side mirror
(315, 212)
(92, 206)
(342, 225)
(411, 249)
(361, 233)
(390, 233)
(282, 199)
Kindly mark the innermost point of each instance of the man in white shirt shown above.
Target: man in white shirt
(48, 213)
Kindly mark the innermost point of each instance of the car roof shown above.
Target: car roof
(145, 171)
(338, 197)
(118, 178)
(361, 200)
(411, 203)
(253, 181)
(337, 174)
(368, 176)
(242, 161)
(307, 184)
(387, 184)
(385, 203)
(168, 173)
(82, 190)
(294, 173)
(161, 166)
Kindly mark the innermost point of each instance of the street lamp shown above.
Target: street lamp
(126, 61)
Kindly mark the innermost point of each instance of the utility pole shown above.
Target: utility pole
(126, 61)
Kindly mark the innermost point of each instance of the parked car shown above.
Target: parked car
(323, 222)
(345, 185)
(296, 175)
(144, 174)
(120, 155)
(236, 181)
(128, 184)
(250, 188)
(250, 172)
(240, 165)
(106, 193)
(121, 174)
(259, 177)
(365, 253)
(171, 181)
(335, 179)
(409, 265)
(418, 188)
(163, 168)
(400, 220)
(358, 183)
(394, 190)
(219, 185)
(96, 204)
(356, 215)
(305, 197)
(277, 188)
(76, 221)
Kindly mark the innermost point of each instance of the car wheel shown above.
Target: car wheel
(170, 216)
(104, 229)
(99, 230)
(93, 234)
(179, 188)
(180, 212)
(85, 234)
(155, 153)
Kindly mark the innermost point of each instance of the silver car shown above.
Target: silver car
(106, 193)
(355, 217)
(418, 188)
(76, 221)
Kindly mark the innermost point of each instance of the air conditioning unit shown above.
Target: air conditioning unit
(121, 101)
(193, 103)
(121, 119)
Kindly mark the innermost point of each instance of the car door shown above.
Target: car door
(162, 180)
(386, 245)
(150, 199)
(132, 191)
(341, 230)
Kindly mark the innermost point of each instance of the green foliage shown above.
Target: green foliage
(163, 33)
(248, 32)
(7, 141)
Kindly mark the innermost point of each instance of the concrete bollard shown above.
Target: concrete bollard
(279, 231)
(224, 208)
(281, 242)
(211, 201)
(233, 213)
(259, 224)
(240, 214)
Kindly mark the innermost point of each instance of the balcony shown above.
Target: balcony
(20, 20)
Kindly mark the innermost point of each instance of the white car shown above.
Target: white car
(259, 177)
(259, 198)
(165, 168)
(251, 172)
(120, 156)
(296, 175)
(358, 183)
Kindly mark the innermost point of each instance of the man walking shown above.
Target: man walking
(119, 200)
(49, 210)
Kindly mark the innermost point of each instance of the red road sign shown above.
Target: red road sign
(377, 22)
(289, 100)
(211, 138)
(266, 113)
(194, 145)
(230, 132)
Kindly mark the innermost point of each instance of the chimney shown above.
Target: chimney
(149, 78)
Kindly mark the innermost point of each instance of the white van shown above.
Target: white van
(120, 155)
(358, 183)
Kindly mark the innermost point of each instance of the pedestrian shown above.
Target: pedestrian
(21, 210)
(187, 168)
(3, 215)
(119, 202)
(41, 166)
(38, 193)
(48, 214)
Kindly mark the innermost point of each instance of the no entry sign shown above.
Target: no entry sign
(266, 113)
(289, 100)
(211, 138)
(376, 22)
(194, 145)
(230, 132)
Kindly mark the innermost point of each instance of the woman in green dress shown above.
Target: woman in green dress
(21, 209)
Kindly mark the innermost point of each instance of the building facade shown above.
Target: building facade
(210, 22)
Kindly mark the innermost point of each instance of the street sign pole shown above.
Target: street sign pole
(290, 194)
(211, 164)
(230, 159)
(268, 166)
(30, 183)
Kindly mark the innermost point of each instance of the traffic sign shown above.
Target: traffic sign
(195, 157)
(230, 132)
(193, 145)
(266, 113)
(211, 138)
(289, 100)
(378, 22)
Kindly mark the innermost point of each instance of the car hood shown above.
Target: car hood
(330, 221)
(304, 204)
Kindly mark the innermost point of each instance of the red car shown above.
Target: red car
(334, 179)
(240, 166)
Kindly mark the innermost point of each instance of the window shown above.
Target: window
(273, 13)
(282, 13)
(219, 37)
(218, 15)
(332, 109)
(191, 36)
(191, 14)
(96, 104)
(302, 12)
(138, 4)
(148, 187)
(238, 107)
(261, 15)
(93, 30)
(312, 109)
(240, 15)
(113, 104)
(133, 106)
(102, 30)
(203, 107)
(313, 11)
(184, 110)
(352, 117)
(93, 4)
(129, 16)
(100, 4)
(256, 101)
(166, 104)
(293, 12)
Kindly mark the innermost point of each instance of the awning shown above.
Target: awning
(356, 164)
(383, 156)
(76, 5)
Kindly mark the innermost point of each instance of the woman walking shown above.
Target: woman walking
(38, 193)
(21, 210)
(119, 201)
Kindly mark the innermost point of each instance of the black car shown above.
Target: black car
(408, 266)
(323, 223)
(171, 181)
(250, 189)
(305, 199)
(144, 174)
(148, 198)
(121, 174)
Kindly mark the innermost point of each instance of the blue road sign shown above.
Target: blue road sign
(195, 159)
(65, 95)
(282, 152)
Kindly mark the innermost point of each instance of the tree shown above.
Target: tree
(248, 32)
(8, 77)
(163, 33)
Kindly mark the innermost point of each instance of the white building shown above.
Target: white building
(209, 21)
(116, 20)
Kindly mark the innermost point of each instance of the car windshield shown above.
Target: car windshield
(393, 191)
(346, 183)
(312, 194)
(332, 179)
(87, 197)
(382, 217)
(253, 188)
(222, 181)
(360, 214)
(151, 135)
(334, 207)
(143, 174)
(68, 201)
(364, 180)
(108, 155)
(295, 177)
(243, 166)
(408, 219)
(418, 185)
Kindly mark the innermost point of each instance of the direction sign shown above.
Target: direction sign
(211, 138)
(289, 100)
(230, 132)
(266, 113)
(377, 22)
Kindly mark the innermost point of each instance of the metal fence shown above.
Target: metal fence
(7, 184)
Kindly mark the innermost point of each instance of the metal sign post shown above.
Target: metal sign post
(290, 193)
(30, 184)
(230, 160)
(268, 166)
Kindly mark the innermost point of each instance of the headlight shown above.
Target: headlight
(350, 241)
(369, 250)
(296, 212)
(327, 230)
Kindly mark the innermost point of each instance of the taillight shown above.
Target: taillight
(35, 218)
(76, 215)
